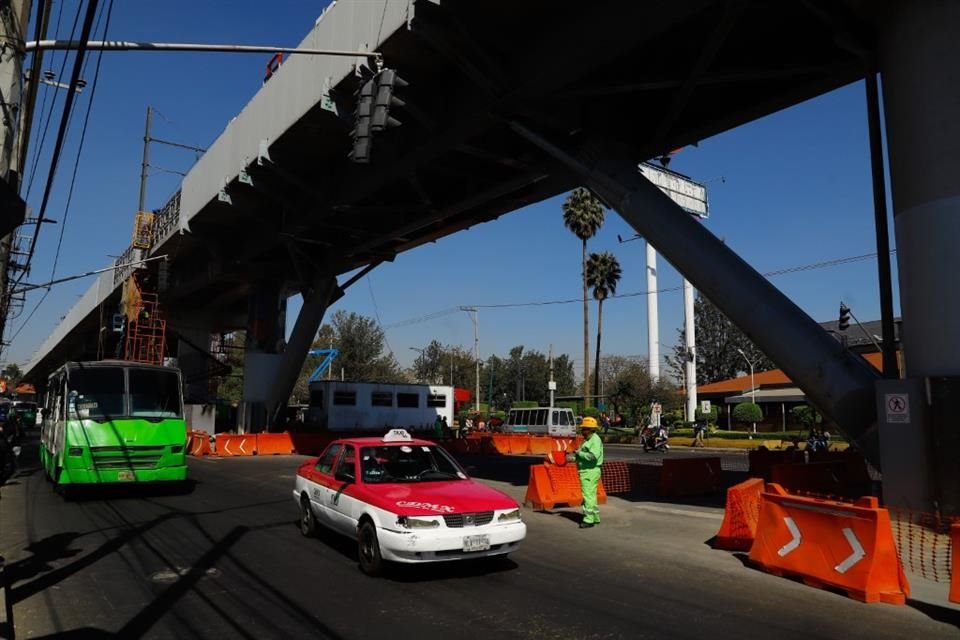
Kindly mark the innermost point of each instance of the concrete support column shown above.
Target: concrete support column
(193, 360)
(690, 366)
(839, 383)
(266, 327)
(316, 300)
(918, 54)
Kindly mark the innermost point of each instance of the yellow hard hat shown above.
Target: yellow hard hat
(589, 423)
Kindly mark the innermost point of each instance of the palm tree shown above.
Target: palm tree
(603, 274)
(583, 215)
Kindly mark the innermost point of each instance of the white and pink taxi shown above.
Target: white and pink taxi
(404, 500)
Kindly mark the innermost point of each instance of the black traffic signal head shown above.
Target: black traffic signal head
(387, 82)
(362, 132)
(844, 320)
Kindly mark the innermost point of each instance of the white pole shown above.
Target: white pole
(691, 362)
(552, 385)
(653, 328)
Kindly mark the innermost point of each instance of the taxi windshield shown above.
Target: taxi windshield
(407, 463)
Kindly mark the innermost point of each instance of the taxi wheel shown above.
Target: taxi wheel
(308, 523)
(368, 548)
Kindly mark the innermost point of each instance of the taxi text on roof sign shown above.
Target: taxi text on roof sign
(397, 435)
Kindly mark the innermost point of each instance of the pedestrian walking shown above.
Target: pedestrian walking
(438, 428)
(589, 457)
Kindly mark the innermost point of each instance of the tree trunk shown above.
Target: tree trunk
(586, 332)
(596, 365)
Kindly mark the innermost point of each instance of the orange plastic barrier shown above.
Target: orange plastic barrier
(739, 526)
(501, 443)
(519, 444)
(955, 563)
(541, 445)
(272, 444)
(198, 443)
(827, 543)
(550, 485)
(689, 477)
(229, 445)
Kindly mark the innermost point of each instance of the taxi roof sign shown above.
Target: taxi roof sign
(397, 435)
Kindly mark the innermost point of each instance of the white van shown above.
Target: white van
(542, 420)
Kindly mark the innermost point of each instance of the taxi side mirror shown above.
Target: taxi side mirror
(344, 476)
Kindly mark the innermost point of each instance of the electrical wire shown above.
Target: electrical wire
(376, 312)
(779, 272)
(62, 131)
(73, 179)
(51, 90)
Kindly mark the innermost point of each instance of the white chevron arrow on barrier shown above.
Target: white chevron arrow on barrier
(795, 532)
(855, 557)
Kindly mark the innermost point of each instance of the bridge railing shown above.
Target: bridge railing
(167, 220)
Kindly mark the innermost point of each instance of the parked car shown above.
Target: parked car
(404, 500)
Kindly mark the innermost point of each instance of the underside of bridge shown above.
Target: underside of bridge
(509, 103)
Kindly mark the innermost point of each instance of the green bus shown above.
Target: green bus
(113, 422)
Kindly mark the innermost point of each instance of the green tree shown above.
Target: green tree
(436, 363)
(747, 413)
(630, 390)
(603, 274)
(523, 376)
(807, 416)
(12, 374)
(360, 345)
(718, 340)
(583, 215)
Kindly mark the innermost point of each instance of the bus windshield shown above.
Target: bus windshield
(99, 393)
(96, 393)
(154, 394)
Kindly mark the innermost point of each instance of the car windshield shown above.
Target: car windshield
(407, 463)
(96, 393)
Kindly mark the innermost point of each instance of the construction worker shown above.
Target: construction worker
(589, 457)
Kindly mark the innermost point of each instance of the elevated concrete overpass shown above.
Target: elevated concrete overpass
(510, 103)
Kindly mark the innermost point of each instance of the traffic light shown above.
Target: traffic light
(362, 132)
(387, 83)
(844, 321)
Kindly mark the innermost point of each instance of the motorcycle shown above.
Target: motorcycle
(654, 439)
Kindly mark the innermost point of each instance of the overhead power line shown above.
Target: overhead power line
(62, 131)
(509, 305)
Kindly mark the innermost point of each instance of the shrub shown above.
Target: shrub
(524, 404)
(710, 417)
(747, 412)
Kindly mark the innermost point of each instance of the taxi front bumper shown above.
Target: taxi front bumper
(438, 545)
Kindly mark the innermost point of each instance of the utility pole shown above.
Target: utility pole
(690, 364)
(476, 348)
(14, 17)
(146, 159)
(653, 322)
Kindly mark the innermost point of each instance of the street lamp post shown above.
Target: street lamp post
(753, 387)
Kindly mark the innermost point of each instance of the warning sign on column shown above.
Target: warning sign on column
(898, 408)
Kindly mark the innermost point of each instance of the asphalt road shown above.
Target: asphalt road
(227, 561)
(730, 459)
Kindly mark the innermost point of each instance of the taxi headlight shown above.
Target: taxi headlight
(417, 523)
(509, 516)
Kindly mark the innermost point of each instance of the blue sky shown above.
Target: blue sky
(788, 190)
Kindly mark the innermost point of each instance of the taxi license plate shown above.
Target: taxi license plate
(476, 543)
(125, 476)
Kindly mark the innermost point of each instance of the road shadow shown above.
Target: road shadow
(448, 570)
(945, 615)
(136, 490)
